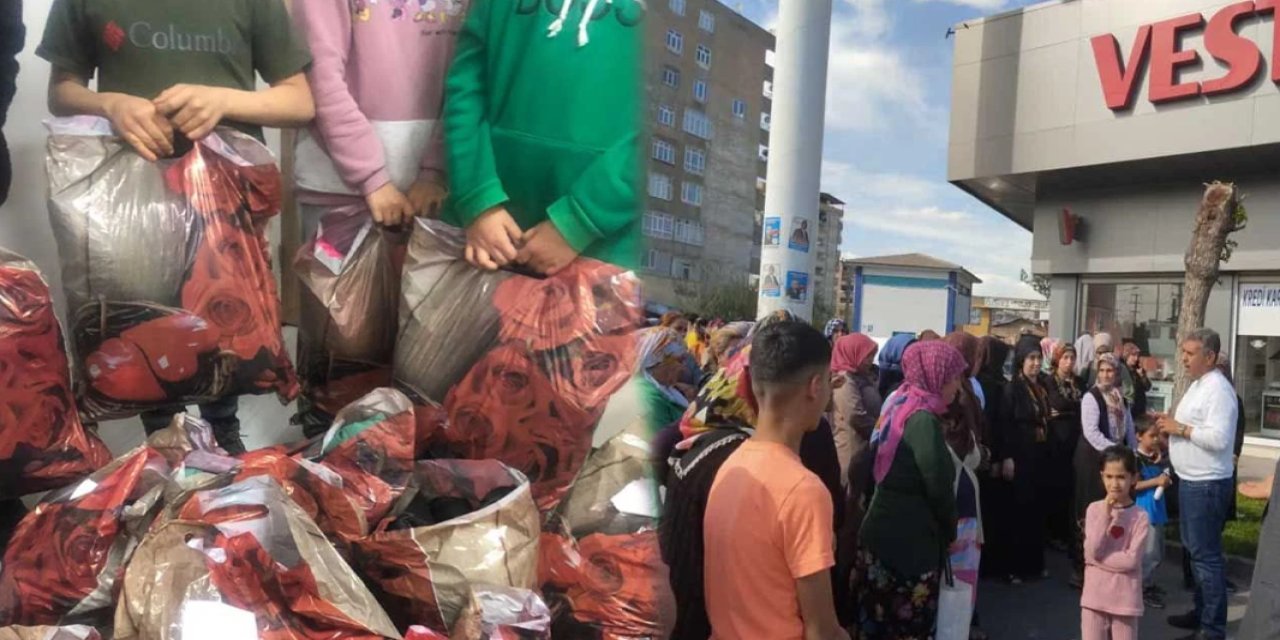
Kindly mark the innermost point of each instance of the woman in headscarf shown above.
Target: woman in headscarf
(716, 423)
(662, 359)
(965, 427)
(1103, 344)
(1047, 347)
(1141, 383)
(929, 334)
(1065, 390)
(890, 363)
(1085, 355)
(1026, 448)
(1105, 421)
(912, 519)
(855, 401)
(724, 341)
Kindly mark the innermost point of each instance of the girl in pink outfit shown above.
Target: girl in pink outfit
(1115, 535)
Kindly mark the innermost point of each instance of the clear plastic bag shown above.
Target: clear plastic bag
(347, 329)
(601, 567)
(371, 446)
(526, 365)
(75, 632)
(43, 445)
(249, 562)
(63, 561)
(464, 523)
(166, 269)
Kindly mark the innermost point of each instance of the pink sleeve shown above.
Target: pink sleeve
(345, 131)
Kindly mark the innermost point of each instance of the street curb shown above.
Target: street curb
(1237, 566)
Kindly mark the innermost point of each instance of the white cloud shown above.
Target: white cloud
(1002, 286)
(851, 184)
(867, 81)
(870, 19)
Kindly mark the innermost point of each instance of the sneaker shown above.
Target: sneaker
(1153, 599)
(1189, 621)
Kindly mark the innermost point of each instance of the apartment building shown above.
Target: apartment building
(826, 259)
(708, 114)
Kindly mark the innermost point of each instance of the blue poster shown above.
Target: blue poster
(797, 285)
(770, 286)
(773, 232)
(799, 235)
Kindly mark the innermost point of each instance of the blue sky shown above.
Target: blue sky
(888, 92)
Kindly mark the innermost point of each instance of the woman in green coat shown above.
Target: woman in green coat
(911, 521)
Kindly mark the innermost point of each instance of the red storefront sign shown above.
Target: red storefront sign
(1159, 45)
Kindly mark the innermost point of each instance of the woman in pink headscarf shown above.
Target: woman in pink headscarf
(911, 523)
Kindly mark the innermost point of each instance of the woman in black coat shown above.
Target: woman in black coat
(996, 492)
(1024, 463)
(1065, 389)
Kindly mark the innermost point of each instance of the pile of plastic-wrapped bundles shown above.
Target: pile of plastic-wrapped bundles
(455, 494)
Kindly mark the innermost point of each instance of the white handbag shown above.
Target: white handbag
(955, 608)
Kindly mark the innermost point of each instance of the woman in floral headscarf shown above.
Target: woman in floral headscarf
(1105, 421)
(662, 360)
(912, 518)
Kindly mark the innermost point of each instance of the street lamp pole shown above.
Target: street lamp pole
(795, 158)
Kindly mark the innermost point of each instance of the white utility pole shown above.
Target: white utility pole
(795, 158)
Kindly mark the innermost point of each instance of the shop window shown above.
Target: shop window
(1257, 361)
(1147, 315)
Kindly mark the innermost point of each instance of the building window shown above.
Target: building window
(706, 21)
(682, 269)
(975, 316)
(658, 225)
(688, 232)
(691, 193)
(675, 42)
(677, 6)
(739, 109)
(664, 151)
(671, 76)
(660, 186)
(765, 120)
(696, 123)
(700, 90)
(768, 89)
(695, 160)
(666, 116)
(764, 153)
(1147, 315)
(704, 56)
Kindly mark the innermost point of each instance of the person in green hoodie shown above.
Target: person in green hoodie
(542, 124)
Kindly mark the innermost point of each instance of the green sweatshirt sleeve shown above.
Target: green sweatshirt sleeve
(473, 176)
(924, 435)
(604, 199)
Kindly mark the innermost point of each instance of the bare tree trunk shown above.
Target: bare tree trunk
(1215, 221)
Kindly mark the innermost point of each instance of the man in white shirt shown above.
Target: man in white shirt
(1201, 438)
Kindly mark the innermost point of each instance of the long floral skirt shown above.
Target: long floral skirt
(893, 607)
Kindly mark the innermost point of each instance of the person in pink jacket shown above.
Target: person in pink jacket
(376, 147)
(1115, 535)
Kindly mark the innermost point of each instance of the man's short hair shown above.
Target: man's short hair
(1208, 338)
(784, 352)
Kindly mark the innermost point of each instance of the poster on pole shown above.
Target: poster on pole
(799, 235)
(773, 232)
(798, 286)
(770, 286)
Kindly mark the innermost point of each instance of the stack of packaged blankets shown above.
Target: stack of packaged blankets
(455, 494)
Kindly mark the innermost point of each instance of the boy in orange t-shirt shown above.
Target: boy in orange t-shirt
(768, 527)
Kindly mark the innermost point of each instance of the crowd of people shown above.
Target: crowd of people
(938, 467)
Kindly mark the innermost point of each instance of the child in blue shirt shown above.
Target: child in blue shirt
(1154, 479)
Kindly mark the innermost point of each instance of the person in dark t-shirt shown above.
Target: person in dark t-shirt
(169, 68)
